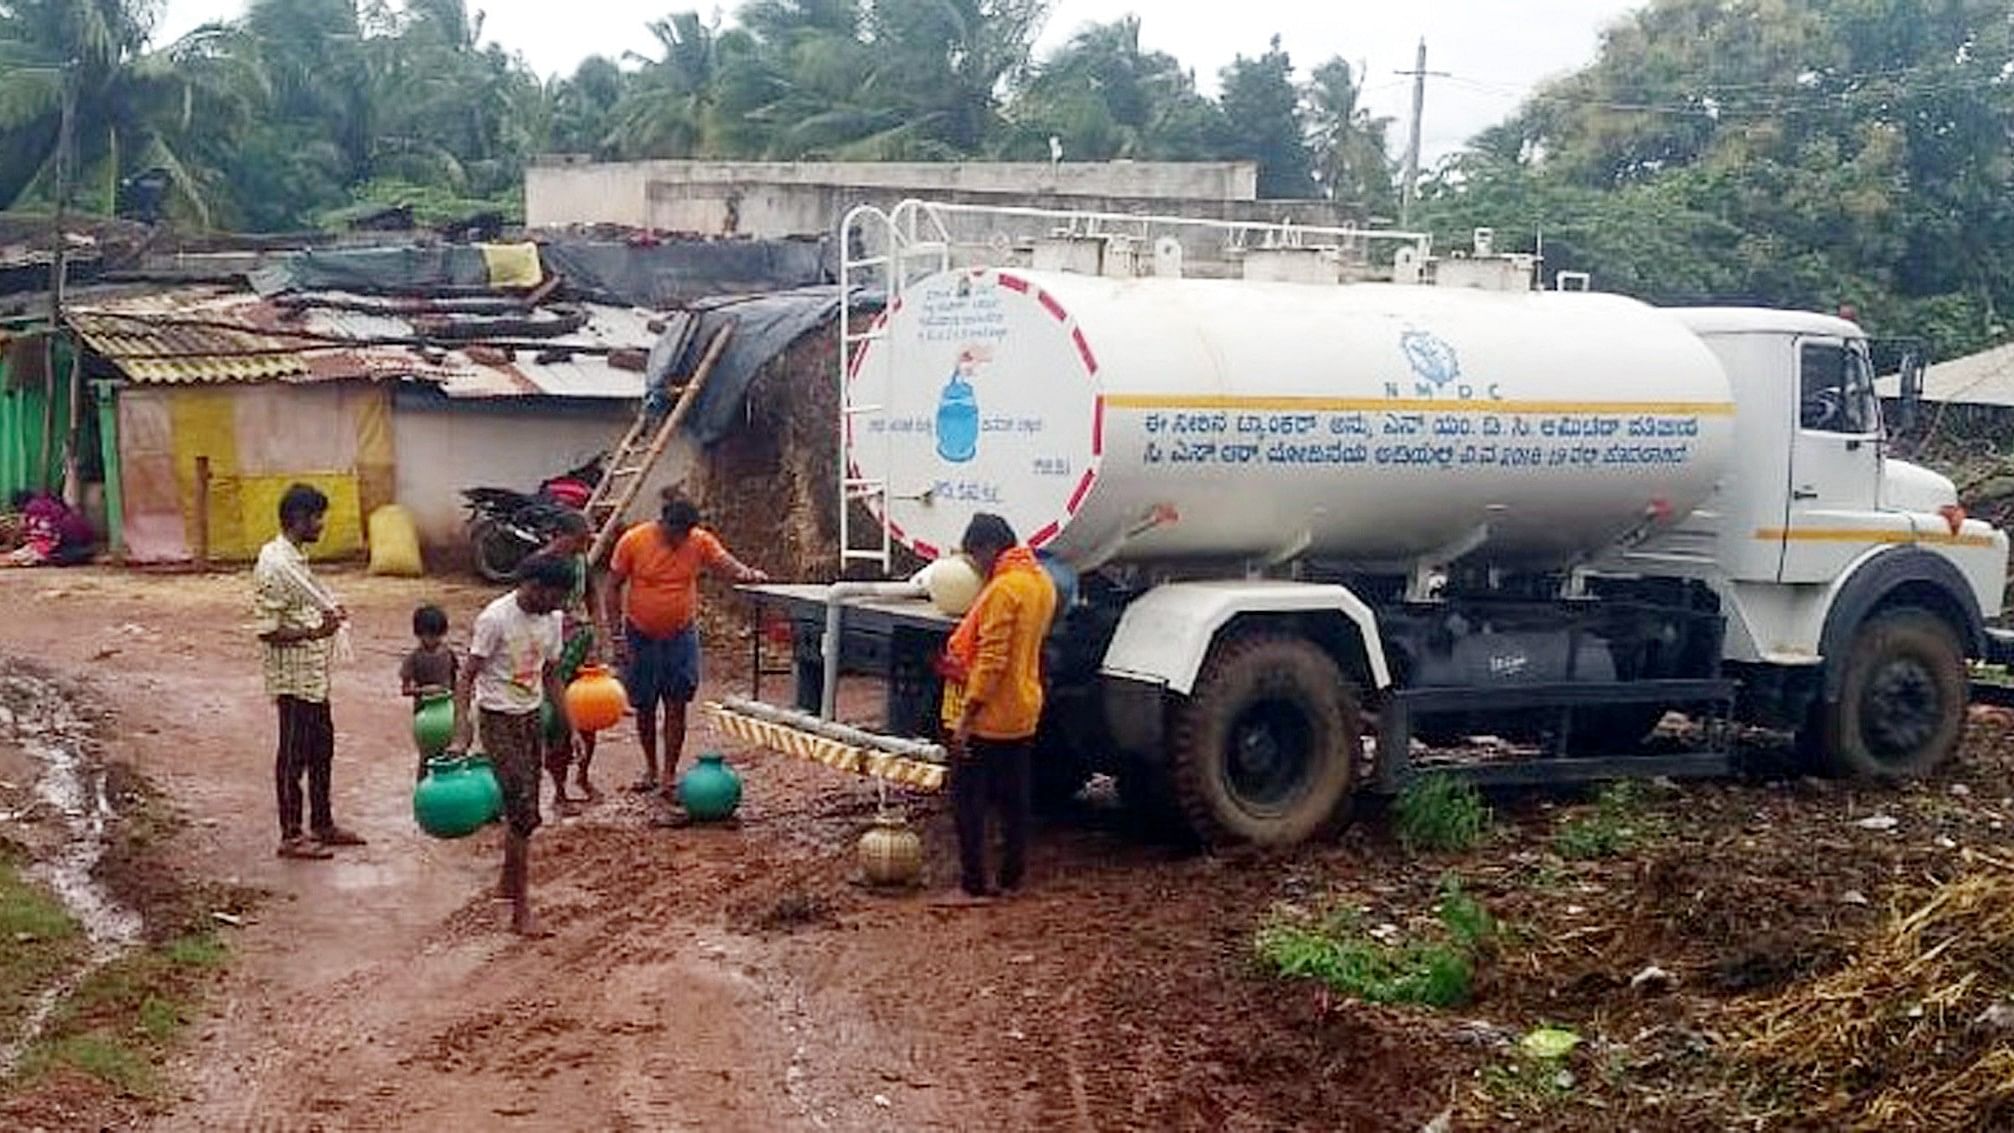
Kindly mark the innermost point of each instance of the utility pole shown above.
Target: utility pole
(1409, 183)
(65, 133)
(59, 279)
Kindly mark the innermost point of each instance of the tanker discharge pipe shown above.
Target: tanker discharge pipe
(836, 598)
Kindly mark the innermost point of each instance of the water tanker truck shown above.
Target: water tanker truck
(1317, 537)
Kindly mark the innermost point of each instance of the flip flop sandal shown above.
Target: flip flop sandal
(643, 787)
(304, 850)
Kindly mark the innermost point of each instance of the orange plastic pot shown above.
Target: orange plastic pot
(595, 699)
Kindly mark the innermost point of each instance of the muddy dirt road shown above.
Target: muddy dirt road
(736, 978)
(711, 978)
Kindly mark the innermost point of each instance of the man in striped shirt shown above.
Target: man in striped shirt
(297, 623)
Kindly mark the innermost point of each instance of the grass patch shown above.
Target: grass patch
(1616, 825)
(124, 1066)
(1337, 951)
(1528, 1084)
(200, 950)
(160, 1020)
(39, 943)
(120, 1022)
(1437, 812)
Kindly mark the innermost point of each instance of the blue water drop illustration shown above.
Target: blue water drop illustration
(957, 421)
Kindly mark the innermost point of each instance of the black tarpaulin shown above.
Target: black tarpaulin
(677, 272)
(764, 327)
(671, 273)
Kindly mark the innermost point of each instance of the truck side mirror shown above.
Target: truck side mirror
(1911, 391)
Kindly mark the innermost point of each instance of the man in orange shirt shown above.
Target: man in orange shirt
(653, 595)
(993, 697)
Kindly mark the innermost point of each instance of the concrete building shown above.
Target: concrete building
(780, 201)
(789, 198)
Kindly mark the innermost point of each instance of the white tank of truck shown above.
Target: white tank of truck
(1187, 419)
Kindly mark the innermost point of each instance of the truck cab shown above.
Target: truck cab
(1818, 530)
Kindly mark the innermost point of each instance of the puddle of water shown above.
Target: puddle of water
(70, 788)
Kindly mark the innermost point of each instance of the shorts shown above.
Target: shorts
(661, 668)
(515, 751)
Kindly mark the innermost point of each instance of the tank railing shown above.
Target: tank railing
(1238, 234)
(872, 226)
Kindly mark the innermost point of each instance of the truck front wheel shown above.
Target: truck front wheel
(1265, 748)
(1901, 706)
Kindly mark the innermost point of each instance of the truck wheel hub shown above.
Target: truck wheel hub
(1901, 710)
(1266, 766)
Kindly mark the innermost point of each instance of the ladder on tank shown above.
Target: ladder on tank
(642, 447)
(885, 251)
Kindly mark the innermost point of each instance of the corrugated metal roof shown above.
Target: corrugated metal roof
(1985, 378)
(206, 335)
(176, 337)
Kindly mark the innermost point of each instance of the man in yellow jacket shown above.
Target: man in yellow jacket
(993, 701)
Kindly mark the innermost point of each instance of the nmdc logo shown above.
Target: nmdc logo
(1430, 357)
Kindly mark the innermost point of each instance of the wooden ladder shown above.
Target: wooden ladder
(639, 451)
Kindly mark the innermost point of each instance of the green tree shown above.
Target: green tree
(1846, 152)
(668, 106)
(888, 80)
(133, 109)
(305, 68)
(945, 66)
(802, 85)
(578, 109)
(1103, 97)
(448, 110)
(1347, 140)
(1262, 109)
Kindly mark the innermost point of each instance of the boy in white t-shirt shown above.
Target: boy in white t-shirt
(513, 667)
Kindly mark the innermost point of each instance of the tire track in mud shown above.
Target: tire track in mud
(1078, 1013)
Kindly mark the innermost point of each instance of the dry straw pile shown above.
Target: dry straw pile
(1917, 1032)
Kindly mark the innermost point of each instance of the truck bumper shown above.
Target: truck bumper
(2000, 652)
(1999, 646)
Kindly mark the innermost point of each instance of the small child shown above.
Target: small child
(430, 669)
(570, 544)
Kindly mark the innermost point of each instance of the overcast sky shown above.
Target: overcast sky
(1495, 49)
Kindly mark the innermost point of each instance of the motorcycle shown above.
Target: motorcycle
(506, 526)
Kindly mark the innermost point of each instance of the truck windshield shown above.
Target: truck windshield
(1836, 389)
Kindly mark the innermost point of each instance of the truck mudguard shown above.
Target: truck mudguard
(1165, 635)
(1880, 576)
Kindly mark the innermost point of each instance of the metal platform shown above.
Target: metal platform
(1711, 699)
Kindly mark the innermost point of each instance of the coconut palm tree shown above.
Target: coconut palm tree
(665, 111)
(1348, 141)
(448, 110)
(133, 110)
(1102, 97)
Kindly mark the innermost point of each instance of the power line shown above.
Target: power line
(1708, 106)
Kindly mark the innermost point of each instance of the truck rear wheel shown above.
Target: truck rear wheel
(1265, 748)
(1901, 706)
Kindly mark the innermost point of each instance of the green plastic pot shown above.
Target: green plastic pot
(486, 774)
(457, 798)
(434, 723)
(710, 791)
(549, 722)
